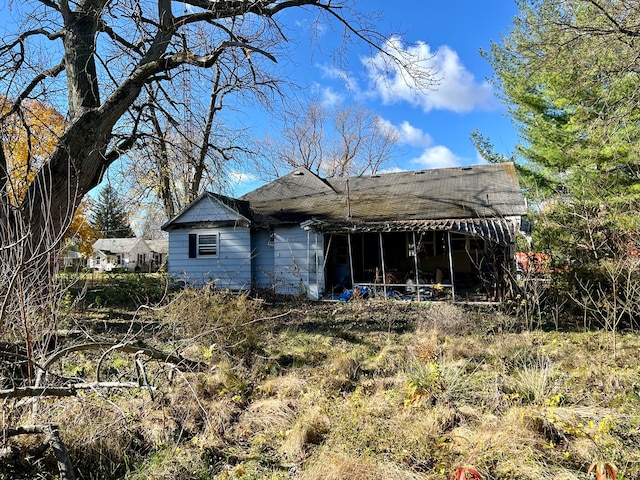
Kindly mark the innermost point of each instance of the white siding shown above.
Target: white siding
(135, 253)
(262, 259)
(140, 249)
(207, 209)
(298, 261)
(231, 268)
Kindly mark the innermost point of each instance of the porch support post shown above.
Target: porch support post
(453, 288)
(384, 276)
(319, 276)
(415, 263)
(325, 257)
(350, 259)
(326, 253)
(308, 289)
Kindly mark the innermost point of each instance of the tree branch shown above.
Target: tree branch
(67, 391)
(52, 432)
(125, 347)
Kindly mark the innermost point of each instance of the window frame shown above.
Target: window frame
(197, 249)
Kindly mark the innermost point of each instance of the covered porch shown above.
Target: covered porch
(458, 260)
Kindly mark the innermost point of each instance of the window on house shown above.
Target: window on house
(208, 244)
(203, 244)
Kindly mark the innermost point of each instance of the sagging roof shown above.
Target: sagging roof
(482, 200)
(498, 230)
(158, 245)
(481, 191)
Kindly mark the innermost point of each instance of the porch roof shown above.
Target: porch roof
(498, 230)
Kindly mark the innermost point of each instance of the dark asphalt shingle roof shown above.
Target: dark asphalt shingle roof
(481, 191)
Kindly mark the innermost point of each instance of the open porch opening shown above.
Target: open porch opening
(420, 264)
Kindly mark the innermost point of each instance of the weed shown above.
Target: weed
(309, 430)
(446, 318)
(603, 470)
(535, 379)
(465, 473)
(223, 320)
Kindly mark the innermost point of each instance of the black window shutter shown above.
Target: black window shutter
(193, 244)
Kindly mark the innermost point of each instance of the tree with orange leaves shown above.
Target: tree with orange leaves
(29, 138)
(81, 233)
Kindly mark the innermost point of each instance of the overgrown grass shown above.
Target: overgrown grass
(365, 390)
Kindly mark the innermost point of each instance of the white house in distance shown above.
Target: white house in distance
(302, 234)
(129, 253)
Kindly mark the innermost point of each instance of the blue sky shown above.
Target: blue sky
(435, 127)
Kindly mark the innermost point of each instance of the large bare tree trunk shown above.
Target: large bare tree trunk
(112, 50)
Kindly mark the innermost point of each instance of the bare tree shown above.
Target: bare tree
(187, 147)
(109, 52)
(111, 67)
(332, 141)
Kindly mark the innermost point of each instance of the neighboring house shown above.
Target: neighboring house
(72, 260)
(130, 253)
(405, 231)
(159, 251)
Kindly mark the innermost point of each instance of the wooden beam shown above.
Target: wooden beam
(350, 258)
(453, 288)
(384, 275)
(415, 262)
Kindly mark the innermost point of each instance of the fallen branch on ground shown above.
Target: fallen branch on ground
(66, 391)
(54, 441)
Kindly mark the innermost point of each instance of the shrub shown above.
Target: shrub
(446, 318)
(224, 321)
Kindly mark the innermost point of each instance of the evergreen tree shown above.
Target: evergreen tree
(569, 73)
(110, 216)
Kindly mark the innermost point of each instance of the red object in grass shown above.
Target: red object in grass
(466, 473)
(603, 470)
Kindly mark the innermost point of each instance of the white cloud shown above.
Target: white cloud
(414, 136)
(242, 177)
(330, 98)
(432, 156)
(394, 169)
(438, 156)
(457, 89)
(333, 73)
(408, 134)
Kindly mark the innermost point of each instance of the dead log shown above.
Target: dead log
(68, 390)
(135, 348)
(52, 432)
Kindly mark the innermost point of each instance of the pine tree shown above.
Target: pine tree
(568, 72)
(110, 216)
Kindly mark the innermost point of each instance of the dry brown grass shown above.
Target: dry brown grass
(447, 319)
(310, 429)
(285, 386)
(338, 467)
(328, 395)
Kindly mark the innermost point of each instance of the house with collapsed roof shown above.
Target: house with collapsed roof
(407, 232)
